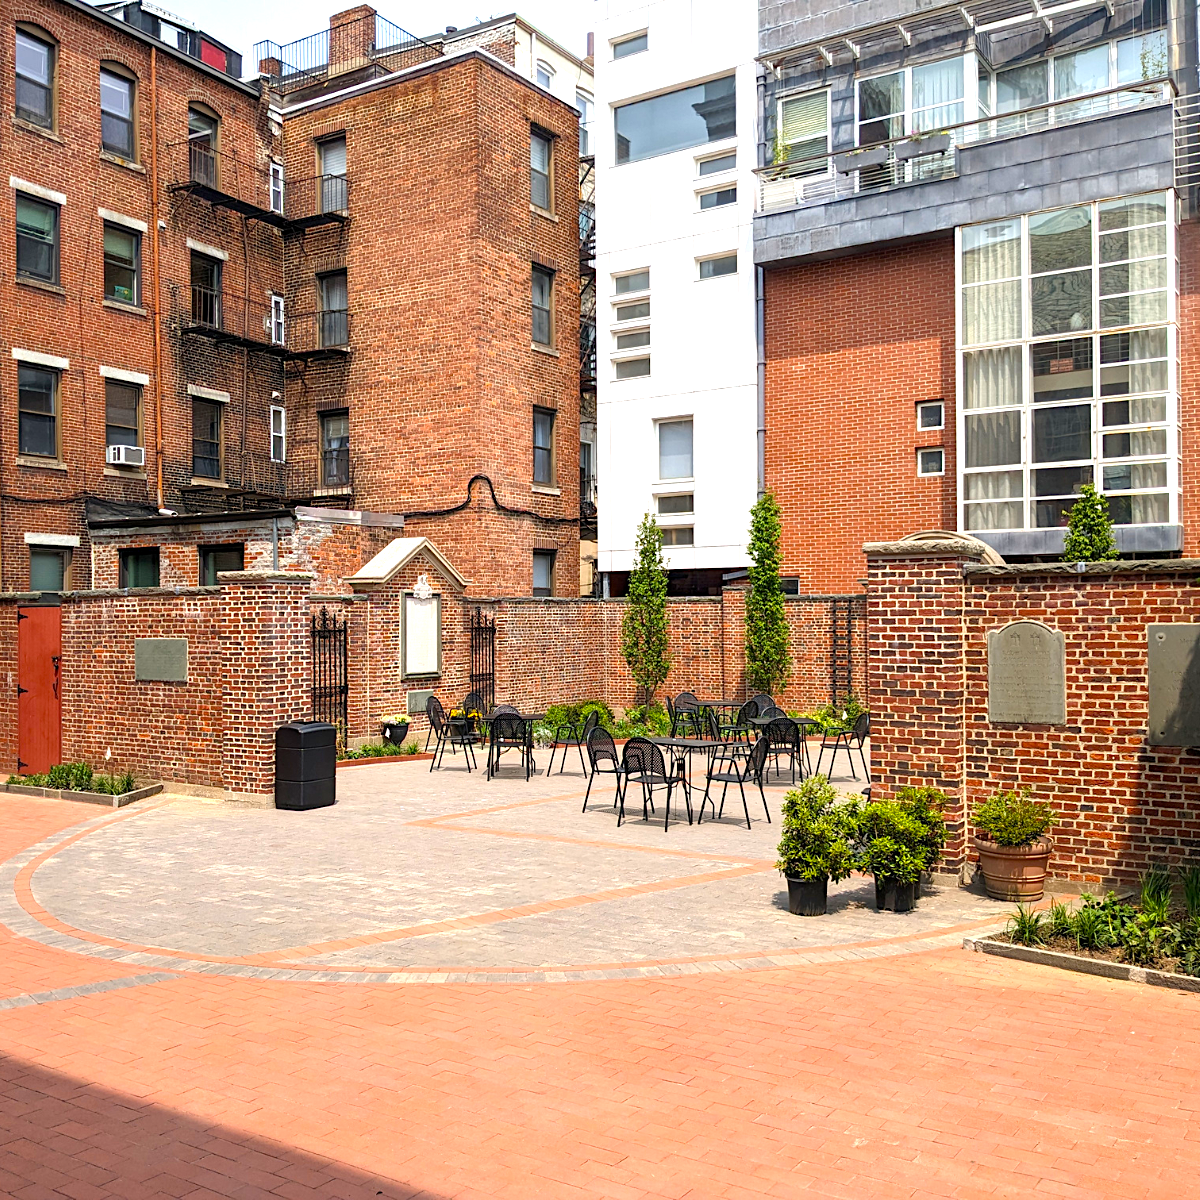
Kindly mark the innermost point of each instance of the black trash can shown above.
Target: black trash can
(305, 765)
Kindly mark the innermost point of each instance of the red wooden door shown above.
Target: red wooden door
(39, 687)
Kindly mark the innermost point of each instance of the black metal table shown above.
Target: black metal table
(681, 747)
(529, 720)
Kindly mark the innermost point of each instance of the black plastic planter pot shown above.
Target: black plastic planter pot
(395, 734)
(895, 897)
(808, 897)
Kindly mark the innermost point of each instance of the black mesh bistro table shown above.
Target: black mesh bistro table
(680, 749)
(528, 720)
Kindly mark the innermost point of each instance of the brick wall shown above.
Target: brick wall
(1124, 803)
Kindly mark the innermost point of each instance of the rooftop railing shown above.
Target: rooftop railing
(914, 158)
(369, 40)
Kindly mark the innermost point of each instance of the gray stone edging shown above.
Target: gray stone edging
(105, 798)
(1131, 566)
(1083, 966)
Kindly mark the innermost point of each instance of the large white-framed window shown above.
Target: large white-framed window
(278, 433)
(804, 133)
(1067, 365)
(675, 458)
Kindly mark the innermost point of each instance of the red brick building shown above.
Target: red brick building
(228, 297)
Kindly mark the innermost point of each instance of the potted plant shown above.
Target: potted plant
(394, 730)
(893, 848)
(928, 806)
(1014, 851)
(814, 848)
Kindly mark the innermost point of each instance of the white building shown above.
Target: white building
(677, 409)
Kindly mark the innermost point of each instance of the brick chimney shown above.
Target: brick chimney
(270, 67)
(351, 39)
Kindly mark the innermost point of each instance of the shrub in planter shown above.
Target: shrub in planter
(928, 806)
(1014, 851)
(892, 847)
(815, 847)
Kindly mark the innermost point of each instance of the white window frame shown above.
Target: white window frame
(542, 67)
(613, 43)
(1027, 340)
(724, 173)
(675, 483)
(278, 320)
(276, 187)
(921, 472)
(278, 415)
(929, 404)
(970, 99)
(700, 278)
(798, 93)
(708, 191)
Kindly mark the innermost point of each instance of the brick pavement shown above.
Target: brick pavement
(928, 1074)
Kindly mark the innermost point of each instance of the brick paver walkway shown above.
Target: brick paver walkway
(929, 1073)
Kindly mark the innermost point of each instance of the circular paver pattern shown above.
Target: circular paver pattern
(414, 875)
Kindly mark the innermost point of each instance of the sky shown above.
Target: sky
(241, 23)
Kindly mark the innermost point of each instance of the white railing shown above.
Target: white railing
(933, 155)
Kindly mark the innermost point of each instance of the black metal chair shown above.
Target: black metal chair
(806, 729)
(473, 703)
(568, 735)
(770, 712)
(741, 771)
(643, 763)
(764, 702)
(602, 750)
(687, 716)
(848, 740)
(739, 729)
(784, 738)
(448, 734)
(509, 732)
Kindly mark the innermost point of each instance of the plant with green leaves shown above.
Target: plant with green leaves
(928, 806)
(1026, 927)
(768, 639)
(837, 718)
(891, 843)
(644, 626)
(815, 842)
(1090, 529)
(1013, 818)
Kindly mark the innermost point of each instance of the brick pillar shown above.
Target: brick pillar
(916, 671)
(266, 667)
(351, 39)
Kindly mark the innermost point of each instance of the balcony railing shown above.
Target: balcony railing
(224, 179)
(367, 41)
(916, 158)
(324, 332)
(227, 317)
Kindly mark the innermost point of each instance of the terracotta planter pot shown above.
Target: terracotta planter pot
(1014, 872)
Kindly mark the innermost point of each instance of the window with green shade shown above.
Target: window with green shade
(37, 239)
(122, 264)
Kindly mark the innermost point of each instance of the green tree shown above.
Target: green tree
(644, 626)
(768, 641)
(1089, 529)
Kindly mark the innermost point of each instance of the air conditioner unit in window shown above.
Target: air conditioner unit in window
(126, 456)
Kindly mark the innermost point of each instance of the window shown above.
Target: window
(913, 100)
(203, 129)
(331, 159)
(543, 572)
(276, 182)
(48, 569)
(543, 446)
(541, 152)
(35, 80)
(804, 133)
(633, 339)
(545, 73)
(37, 239)
(138, 568)
(931, 462)
(713, 166)
(278, 433)
(633, 368)
(675, 450)
(931, 414)
(122, 405)
(116, 114)
(335, 313)
(586, 107)
(638, 281)
(1068, 364)
(543, 306)
(335, 449)
(718, 199)
(679, 535)
(630, 45)
(673, 505)
(278, 327)
(633, 312)
(37, 411)
(678, 120)
(122, 264)
(220, 558)
(206, 290)
(206, 439)
(714, 268)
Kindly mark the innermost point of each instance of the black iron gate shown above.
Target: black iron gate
(330, 687)
(841, 647)
(483, 657)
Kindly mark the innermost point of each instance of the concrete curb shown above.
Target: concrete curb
(104, 798)
(1083, 966)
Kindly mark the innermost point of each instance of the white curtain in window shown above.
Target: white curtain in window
(1150, 510)
(675, 450)
(992, 377)
(994, 485)
(991, 251)
(993, 439)
(1006, 515)
(937, 94)
(992, 312)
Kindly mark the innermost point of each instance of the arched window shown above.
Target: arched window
(118, 111)
(36, 62)
(204, 128)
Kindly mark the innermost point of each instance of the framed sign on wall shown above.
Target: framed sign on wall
(421, 632)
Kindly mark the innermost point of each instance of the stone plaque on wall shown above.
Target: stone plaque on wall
(1027, 677)
(161, 659)
(1173, 654)
(421, 645)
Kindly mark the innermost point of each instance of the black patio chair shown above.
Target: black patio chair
(741, 771)
(643, 763)
(602, 754)
(784, 738)
(509, 732)
(739, 729)
(848, 740)
(450, 734)
(687, 721)
(770, 712)
(764, 702)
(473, 703)
(567, 735)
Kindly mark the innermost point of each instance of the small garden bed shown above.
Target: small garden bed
(78, 781)
(373, 750)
